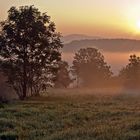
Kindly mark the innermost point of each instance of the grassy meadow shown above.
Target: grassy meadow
(72, 115)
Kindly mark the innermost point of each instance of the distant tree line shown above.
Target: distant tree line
(30, 58)
(91, 70)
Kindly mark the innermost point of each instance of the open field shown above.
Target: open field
(72, 115)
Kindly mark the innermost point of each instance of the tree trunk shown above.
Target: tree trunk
(24, 89)
(77, 81)
(24, 75)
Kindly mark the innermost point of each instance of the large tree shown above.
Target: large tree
(29, 49)
(130, 74)
(90, 68)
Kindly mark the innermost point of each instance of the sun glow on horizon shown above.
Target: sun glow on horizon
(138, 25)
(134, 28)
(105, 18)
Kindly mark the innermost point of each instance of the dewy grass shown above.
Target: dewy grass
(72, 116)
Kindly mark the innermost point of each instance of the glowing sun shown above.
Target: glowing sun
(138, 25)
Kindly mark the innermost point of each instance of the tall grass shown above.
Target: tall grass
(72, 115)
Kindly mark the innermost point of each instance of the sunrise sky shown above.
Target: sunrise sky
(103, 18)
(106, 18)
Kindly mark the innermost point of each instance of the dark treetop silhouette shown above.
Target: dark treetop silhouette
(29, 49)
(130, 74)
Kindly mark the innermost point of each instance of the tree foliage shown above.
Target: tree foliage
(63, 78)
(29, 49)
(90, 68)
(130, 74)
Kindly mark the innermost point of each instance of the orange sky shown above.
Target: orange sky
(107, 18)
(104, 18)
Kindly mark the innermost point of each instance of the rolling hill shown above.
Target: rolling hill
(107, 45)
(72, 37)
(115, 51)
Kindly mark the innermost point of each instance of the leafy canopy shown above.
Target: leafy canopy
(29, 49)
(89, 66)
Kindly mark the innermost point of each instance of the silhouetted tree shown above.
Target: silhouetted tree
(90, 68)
(130, 75)
(29, 49)
(63, 79)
